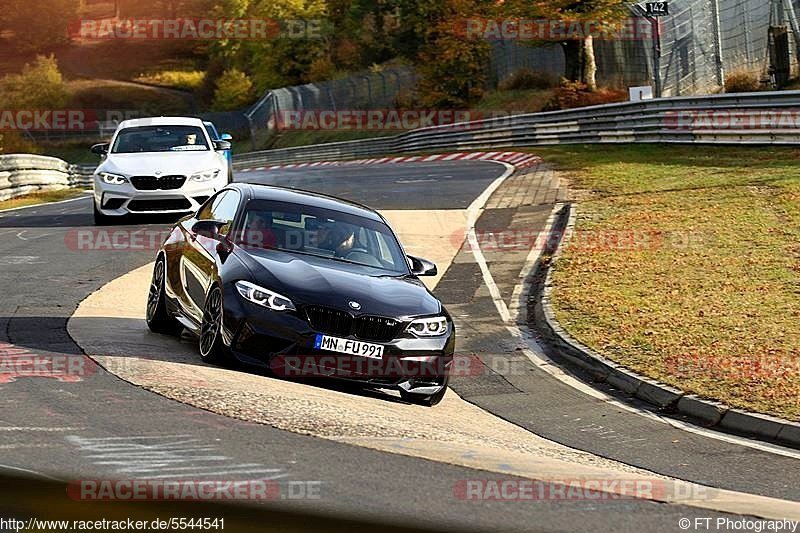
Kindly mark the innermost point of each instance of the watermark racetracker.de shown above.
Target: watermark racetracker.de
(578, 489)
(521, 29)
(193, 490)
(204, 29)
(17, 362)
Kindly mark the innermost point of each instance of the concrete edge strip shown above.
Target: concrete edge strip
(664, 397)
(519, 159)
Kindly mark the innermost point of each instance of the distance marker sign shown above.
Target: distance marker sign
(656, 9)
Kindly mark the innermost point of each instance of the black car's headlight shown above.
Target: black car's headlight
(428, 327)
(113, 179)
(264, 297)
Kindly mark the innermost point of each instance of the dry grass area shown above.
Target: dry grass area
(686, 267)
(40, 198)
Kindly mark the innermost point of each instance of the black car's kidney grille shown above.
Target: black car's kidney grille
(158, 183)
(376, 328)
(331, 321)
(342, 323)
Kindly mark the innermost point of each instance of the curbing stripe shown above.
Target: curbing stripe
(519, 159)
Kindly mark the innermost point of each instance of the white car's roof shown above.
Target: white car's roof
(161, 121)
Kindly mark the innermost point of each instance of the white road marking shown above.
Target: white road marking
(33, 238)
(21, 260)
(154, 457)
(28, 471)
(31, 428)
(473, 213)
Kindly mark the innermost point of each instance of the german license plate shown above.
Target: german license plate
(348, 346)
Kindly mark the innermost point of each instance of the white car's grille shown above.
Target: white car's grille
(158, 183)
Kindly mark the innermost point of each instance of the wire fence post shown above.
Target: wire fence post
(720, 67)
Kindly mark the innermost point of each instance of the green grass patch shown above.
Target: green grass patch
(77, 153)
(41, 198)
(515, 101)
(126, 97)
(686, 267)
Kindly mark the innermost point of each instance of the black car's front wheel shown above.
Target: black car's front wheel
(158, 318)
(212, 349)
(427, 400)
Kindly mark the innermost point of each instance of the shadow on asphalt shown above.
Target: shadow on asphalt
(40, 340)
(74, 220)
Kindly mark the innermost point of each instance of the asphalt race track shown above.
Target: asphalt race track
(101, 426)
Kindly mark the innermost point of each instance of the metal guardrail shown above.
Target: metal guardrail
(25, 173)
(744, 118)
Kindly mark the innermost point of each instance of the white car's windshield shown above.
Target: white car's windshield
(160, 139)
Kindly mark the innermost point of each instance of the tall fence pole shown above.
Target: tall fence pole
(720, 70)
(657, 55)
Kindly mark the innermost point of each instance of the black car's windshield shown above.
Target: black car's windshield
(322, 233)
(160, 139)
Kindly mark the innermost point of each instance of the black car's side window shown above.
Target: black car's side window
(222, 207)
(204, 213)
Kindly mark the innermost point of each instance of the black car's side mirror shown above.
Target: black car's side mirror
(100, 148)
(422, 267)
(222, 145)
(208, 228)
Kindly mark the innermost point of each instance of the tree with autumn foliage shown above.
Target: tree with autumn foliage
(283, 59)
(40, 27)
(453, 66)
(578, 53)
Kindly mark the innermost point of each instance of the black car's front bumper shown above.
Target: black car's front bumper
(285, 342)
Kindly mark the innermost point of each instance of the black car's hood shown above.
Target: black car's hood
(320, 281)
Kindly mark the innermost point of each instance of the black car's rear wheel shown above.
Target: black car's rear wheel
(212, 349)
(158, 318)
(428, 400)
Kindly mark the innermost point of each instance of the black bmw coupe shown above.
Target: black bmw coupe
(305, 285)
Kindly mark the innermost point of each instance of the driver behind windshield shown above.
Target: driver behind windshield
(339, 238)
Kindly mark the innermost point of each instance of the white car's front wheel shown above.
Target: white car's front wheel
(100, 219)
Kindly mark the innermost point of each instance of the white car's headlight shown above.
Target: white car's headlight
(264, 297)
(428, 327)
(206, 175)
(112, 179)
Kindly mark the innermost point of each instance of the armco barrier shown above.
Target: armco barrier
(25, 173)
(664, 120)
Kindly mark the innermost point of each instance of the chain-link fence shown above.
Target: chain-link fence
(694, 47)
(508, 57)
(366, 90)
